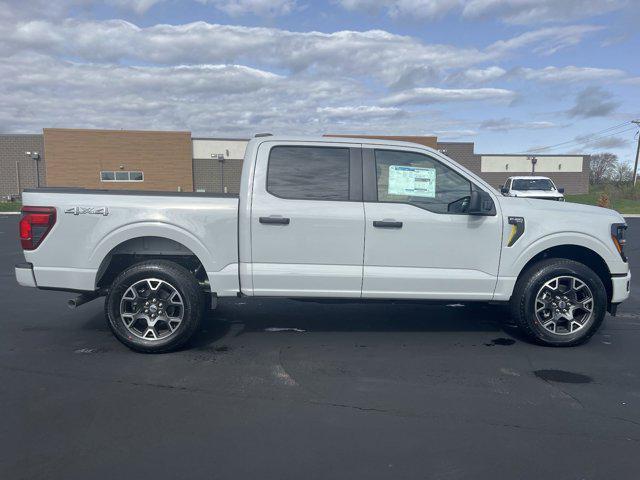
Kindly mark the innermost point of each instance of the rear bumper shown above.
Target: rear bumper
(24, 275)
(621, 288)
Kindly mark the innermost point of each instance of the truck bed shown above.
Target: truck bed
(93, 225)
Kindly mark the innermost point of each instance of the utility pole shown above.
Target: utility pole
(635, 165)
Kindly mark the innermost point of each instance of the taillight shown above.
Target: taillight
(619, 238)
(35, 224)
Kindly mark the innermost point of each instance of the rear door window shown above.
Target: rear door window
(309, 173)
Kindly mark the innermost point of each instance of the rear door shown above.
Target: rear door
(420, 242)
(307, 220)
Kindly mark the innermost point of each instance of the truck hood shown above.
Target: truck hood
(561, 209)
(537, 193)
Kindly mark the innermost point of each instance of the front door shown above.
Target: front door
(420, 242)
(307, 220)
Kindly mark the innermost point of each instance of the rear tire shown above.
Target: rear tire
(559, 302)
(154, 306)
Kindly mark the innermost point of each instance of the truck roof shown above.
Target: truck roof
(529, 177)
(368, 141)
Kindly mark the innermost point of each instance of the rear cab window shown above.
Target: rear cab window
(309, 173)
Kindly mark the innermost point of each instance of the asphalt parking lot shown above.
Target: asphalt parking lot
(299, 390)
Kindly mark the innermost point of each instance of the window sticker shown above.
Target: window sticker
(412, 181)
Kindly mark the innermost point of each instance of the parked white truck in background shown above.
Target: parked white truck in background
(327, 218)
(532, 187)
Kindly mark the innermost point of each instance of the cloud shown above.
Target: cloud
(402, 8)
(478, 75)
(569, 74)
(232, 99)
(138, 6)
(607, 143)
(428, 95)
(455, 134)
(262, 8)
(510, 11)
(342, 53)
(361, 111)
(545, 41)
(506, 124)
(593, 102)
(352, 53)
(235, 80)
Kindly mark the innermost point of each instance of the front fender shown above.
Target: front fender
(595, 244)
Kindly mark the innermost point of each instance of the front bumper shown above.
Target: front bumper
(24, 275)
(621, 288)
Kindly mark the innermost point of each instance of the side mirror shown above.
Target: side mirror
(480, 203)
(503, 190)
(561, 190)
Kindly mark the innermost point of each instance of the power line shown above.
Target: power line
(592, 135)
(586, 140)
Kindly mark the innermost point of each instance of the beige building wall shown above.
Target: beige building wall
(76, 157)
(522, 163)
(207, 148)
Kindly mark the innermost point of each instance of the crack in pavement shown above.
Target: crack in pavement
(370, 410)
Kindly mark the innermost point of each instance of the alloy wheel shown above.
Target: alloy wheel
(564, 305)
(152, 309)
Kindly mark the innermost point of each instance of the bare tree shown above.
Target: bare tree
(623, 172)
(602, 167)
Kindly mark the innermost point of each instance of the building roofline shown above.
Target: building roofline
(222, 139)
(20, 134)
(534, 154)
(106, 130)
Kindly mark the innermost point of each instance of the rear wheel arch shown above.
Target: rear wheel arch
(139, 249)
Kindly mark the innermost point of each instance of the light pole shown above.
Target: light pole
(35, 156)
(635, 165)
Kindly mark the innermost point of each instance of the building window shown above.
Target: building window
(120, 176)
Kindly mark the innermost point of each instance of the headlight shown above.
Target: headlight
(618, 236)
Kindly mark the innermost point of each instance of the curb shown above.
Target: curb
(9, 213)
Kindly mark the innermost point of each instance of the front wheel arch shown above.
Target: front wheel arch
(579, 254)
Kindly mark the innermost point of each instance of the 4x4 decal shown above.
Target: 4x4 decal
(104, 211)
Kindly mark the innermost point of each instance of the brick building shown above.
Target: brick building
(118, 159)
(21, 163)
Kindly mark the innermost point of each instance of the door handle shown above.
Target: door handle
(387, 224)
(275, 220)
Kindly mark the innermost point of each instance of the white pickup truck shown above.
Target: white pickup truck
(532, 187)
(324, 218)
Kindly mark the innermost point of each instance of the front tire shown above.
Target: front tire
(559, 303)
(154, 306)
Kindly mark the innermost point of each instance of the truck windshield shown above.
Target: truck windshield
(532, 184)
